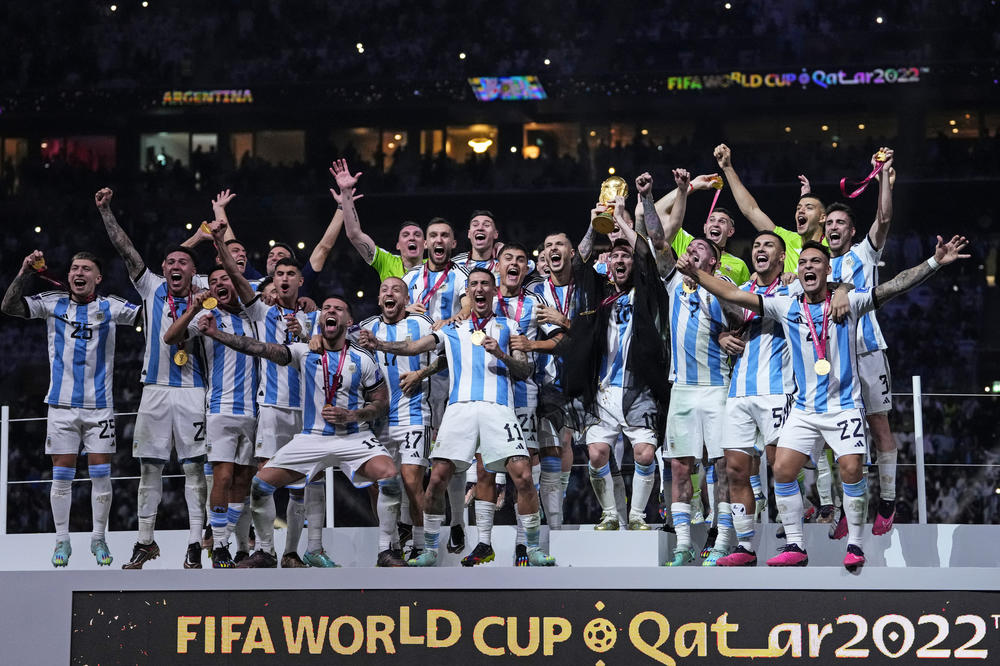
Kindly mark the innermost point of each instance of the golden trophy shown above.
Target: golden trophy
(611, 188)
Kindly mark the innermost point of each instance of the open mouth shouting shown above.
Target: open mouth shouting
(760, 260)
(439, 253)
(479, 237)
(555, 261)
(222, 293)
(389, 303)
(801, 222)
(411, 246)
(513, 275)
(330, 324)
(810, 279)
(833, 237)
(715, 234)
(176, 278)
(79, 283)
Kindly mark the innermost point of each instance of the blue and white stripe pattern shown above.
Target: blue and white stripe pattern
(696, 319)
(475, 374)
(619, 338)
(841, 388)
(548, 365)
(525, 391)
(404, 410)
(81, 342)
(232, 375)
(447, 300)
(859, 266)
(158, 365)
(765, 366)
(280, 386)
(360, 374)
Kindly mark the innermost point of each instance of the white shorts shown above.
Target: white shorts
(408, 445)
(437, 398)
(487, 428)
(842, 431)
(275, 427)
(876, 382)
(229, 439)
(528, 421)
(311, 454)
(694, 421)
(170, 418)
(613, 423)
(753, 422)
(69, 427)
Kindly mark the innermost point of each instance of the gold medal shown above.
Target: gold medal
(205, 228)
(39, 265)
(477, 338)
(717, 182)
(881, 156)
(822, 367)
(181, 357)
(688, 289)
(210, 303)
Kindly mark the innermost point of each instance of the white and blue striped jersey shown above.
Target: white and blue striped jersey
(446, 301)
(492, 265)
(525, 391)
(158, 365)
(404, 410)
(475, 374)
(619, 339)
(81, 346)
(280, 385)
(765, 366)
(554, 297)
(841, 388)
(232, 375)
(359, 374)
(859, 266)
(696, 319)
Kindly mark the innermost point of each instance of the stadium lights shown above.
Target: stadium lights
(145, 4)
(834, 144)
(644, 132)
(114, 8)
(270, 243)
(952, 122)
(397, 137)
(611, 170)
(879, 20)
(534, 253)
(188, 226)
(138, 329)
(861, 126)
(593, 132)
(361, 294)
(787, 129)
(825, 127)
(391, 145)
(547, 62)
(38, 230)
(513, 149)
(532, 152)
(301, 245)
(461, 56)
(728, 5)
(45, 144)
(954, 130)
(480, 145)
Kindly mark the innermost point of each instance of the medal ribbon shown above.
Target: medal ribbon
(715, 200)
(862, 184)
(502, 302)
(559, 303)
(429, 292)
(476, 325)
(819, 344)
(612, 298)
(751, 315)
(331, 384)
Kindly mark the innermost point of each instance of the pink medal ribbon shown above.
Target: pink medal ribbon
(502, 302)
(555, 296)
(862, 185)
(429, 292)
(331, 384)
(751, 315)
(819, 343)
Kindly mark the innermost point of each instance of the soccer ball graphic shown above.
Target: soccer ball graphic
(600, 635)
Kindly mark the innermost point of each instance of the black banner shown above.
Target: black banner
(534, 626)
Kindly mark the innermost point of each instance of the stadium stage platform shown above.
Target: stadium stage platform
(606, 603)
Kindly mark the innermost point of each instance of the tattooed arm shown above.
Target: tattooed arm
(13, 299)
(517, 362)
(422, 345)
(347, 183)
(280, 354)
(944, 254)
(133, 262)
(587, 244)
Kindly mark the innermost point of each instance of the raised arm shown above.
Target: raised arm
(243, 288)
(175, 334)
(347, 184)
(723, 289)
(587, 243)
(880, 228)
(944, 254)
(325, 245)
(665, 255)
(665, 204)
(648, 219)
(219, 204)
(13, 298)
(422, 345)
(747, 204)
(123, 244)
(245, 344)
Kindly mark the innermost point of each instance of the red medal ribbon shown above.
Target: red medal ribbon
(750, 313)
(172, 305)
(862, 184)
(429, 292)
(502, 302)
(612, 298)
(819, 344)
(559, 303)
(331, 384)
(476, 326)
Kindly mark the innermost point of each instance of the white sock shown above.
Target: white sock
(404, 507)
(100, 499)
(600, 479)
(824, 480)
(643, 480)
(520, 538)
(621, 499)
(432, 531)
(234, 513)
(295, 518)
(790, 509)
(743, 524)
(315, 514)
(217, 519)
(387, 508)
(855, 508)
(150, 490)
(485, 511)
(61, 498)
(262, 503)
(887, 474)
(456, 499)
(418, 537)
(681, 514)
(710, 487)
(564, 481)
(195, 495)
(724, 538)
(550, 491)
(530, 524)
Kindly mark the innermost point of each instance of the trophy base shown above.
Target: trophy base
(603, 224)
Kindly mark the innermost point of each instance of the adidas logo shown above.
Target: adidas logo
(885, 400)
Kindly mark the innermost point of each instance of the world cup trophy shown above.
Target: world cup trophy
(611, 188)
